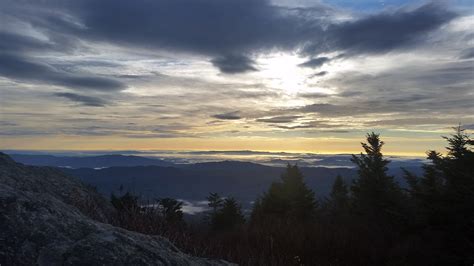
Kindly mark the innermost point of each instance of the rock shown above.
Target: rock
(48, 218)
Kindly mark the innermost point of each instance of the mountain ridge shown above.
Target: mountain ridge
(50, 218)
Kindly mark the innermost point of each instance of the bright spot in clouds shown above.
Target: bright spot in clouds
(296, 76)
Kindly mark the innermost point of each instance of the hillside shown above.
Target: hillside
(242, 180)
(49, 218)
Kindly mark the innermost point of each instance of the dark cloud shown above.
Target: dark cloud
(56, 41)
(82, 99)
(221, 28)
(320, 125)
(210, 27)
(319, 74)
(388, 31)
(231, 27)
(228, 116)
(314, 95)
(7, 124)
(467, 54)
(279, 119)
(303, 126)
(385, 31)
(233, 64)
(329, 109)
(19, 43)
(412, 121)
(23, 132)
(22, 69)
(315, 62)
(469, 126)
(160, 136)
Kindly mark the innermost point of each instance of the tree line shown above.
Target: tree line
(369, 221)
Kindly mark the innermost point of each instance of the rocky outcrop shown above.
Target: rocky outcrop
(48, 218)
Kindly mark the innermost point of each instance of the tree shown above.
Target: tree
(214, 201)
(229, 216)
(126, 203)
(171, 210)
(447, 180)
(288, 201)
(375, 194)
(444, 199)
(339, 197)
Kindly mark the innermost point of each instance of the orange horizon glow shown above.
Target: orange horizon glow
(393, 146)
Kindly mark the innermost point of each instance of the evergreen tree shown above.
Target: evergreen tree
(339, 196)
(171, 211)
(444, 198)
(288, 201)
(375, 193)
(214, 202)
(448, 181)
(126, 203)
(229, 216)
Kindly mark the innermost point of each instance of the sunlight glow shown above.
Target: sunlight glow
(282, 71)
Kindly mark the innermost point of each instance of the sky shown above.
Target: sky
(295, 76)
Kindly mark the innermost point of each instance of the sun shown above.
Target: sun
(282, 71)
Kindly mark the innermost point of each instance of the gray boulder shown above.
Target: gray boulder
(48, 218)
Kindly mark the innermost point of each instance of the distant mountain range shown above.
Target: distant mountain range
(242, 180)
(100, 161)
(155, 178)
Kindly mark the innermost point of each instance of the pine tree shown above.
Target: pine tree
(171, 210)
(448, 181)
(444, 198)
(214, 202)
(288, 201)
(339, 196)
(229, 216)
(375, 193)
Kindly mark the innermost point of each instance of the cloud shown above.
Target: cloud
(228, 116)
(320, 125)
(428, 87)
(315, 62)
(160, 135)
(7, 124)
(233, 64)
(19, 68)
(314, 95)
(467, 54)
(20, 43)
(82, 99)
(384, 32)
(225, 30)
(279, 119)
(163, 53)
(413, 121)
(210, 27)
(319, 74)
(469, 126)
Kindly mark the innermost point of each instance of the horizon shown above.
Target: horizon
(177, 158)
(150, 152)
(292, 76)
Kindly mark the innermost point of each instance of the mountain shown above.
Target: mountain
(49, 218)
(243, 180)
(100, 161)
(155, 178)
